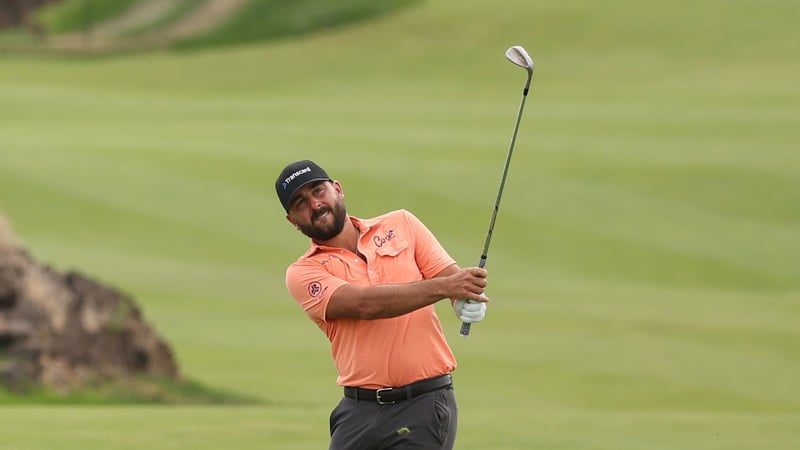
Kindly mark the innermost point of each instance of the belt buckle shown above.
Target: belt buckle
(378, 397)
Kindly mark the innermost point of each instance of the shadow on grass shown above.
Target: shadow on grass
(139, 391)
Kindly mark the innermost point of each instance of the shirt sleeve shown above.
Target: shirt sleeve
(430, 256)
(312, 287)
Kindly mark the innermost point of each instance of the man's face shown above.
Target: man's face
(317, 210)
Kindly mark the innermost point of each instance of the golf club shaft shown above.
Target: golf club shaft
(465, 327)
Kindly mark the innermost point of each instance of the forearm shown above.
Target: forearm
(392, 300)
(384, 301)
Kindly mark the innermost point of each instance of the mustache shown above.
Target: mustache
(320, 212)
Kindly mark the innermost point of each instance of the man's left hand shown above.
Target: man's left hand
(469, 311)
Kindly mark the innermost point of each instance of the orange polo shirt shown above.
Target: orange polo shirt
(383, 352)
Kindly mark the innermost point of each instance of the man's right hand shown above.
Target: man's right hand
(467, 284)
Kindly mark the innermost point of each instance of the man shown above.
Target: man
(371, 285)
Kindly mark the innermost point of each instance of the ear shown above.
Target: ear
(294, 224)
(338, 188)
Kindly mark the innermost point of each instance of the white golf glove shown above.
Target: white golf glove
(469, 311)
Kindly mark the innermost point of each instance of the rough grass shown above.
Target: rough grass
(131, 391)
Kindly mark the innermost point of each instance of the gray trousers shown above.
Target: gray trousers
(428, 421)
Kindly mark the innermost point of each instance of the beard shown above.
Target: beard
(322, 233)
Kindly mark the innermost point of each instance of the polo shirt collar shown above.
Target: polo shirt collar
(363, 225)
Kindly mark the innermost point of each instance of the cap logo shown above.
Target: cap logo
(295, 175)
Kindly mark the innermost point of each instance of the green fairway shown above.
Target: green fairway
(645, 265)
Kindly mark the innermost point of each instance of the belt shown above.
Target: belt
(387, 396)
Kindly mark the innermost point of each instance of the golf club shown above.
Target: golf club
(518, 56)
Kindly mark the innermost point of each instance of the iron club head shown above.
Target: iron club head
(519, 56)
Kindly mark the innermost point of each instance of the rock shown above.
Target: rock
(66, 330)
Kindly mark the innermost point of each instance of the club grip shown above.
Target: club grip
(465, 327)
(464, 332)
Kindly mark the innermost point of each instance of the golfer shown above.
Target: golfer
(370, 285)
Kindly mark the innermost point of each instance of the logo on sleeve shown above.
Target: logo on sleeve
(315, 288)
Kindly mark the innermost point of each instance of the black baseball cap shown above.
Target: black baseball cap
(296, 175)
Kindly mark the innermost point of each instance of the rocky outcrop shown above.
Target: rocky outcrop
(66, 330)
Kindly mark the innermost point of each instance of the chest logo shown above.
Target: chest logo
(380, 240)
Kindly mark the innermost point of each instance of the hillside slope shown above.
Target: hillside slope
(106, 27)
